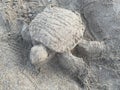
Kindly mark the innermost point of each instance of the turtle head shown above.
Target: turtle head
(38, 55)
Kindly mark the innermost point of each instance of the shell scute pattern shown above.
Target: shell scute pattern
(56, 28)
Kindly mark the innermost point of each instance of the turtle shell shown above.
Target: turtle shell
(57, 28)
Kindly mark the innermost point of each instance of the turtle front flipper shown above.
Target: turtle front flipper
(74, 66)
(92, 49)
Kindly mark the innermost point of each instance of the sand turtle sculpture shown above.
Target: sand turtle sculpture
(55, 30)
